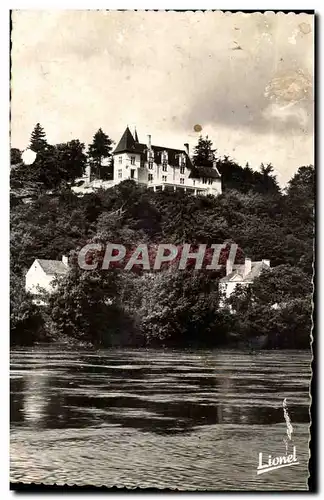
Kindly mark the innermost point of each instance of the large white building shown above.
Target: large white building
(157, 167)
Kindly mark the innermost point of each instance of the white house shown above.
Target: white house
(41, 274)
(157, 167)
(241, 274)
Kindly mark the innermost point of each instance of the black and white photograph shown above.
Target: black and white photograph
(162, 207)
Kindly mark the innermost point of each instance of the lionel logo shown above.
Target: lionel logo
(277, 462)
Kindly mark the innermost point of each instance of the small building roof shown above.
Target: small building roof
(53, 266)
(256, 269)
(204, 173)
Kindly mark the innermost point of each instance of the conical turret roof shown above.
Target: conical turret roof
(126, 143)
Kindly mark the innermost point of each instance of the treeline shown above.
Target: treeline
(169, 308)
(62, 163)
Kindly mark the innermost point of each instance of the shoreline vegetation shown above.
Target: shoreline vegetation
(171, 308)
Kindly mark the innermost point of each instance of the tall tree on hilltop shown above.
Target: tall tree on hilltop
(302, 185)
(267, 179)
(38, 140)
(71, 159)
(100, 149)
(204, 153)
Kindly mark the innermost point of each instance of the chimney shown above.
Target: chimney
(229, 266)
(186, 145)
(65, 260)
(149, 145)
(266, 262)
(247, 266)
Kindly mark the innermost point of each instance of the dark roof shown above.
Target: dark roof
(126, 143)
(53, 266)
(173, 155)
(204, 172)
(131, 145)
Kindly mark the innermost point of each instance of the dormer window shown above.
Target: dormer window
(182, 160)
(182, 170)
(164, 167)
(132, 160)
(150, 155)
(164, 159)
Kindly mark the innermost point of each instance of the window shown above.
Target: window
(210, 181)
(182, 180)
(164, 167)
(182, 160)
(164, 178)
(120, 173)
(164, 158)
(182, 170)
(150, 155)
(150, 177)
(150, 164)
(204, 181)
(132, 160)
(120, 159)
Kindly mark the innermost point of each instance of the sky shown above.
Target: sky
(246, 80)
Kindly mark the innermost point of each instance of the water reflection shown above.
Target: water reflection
(160, 392)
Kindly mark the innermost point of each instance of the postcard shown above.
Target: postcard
(162, 189)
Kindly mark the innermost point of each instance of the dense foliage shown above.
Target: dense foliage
(172, 307)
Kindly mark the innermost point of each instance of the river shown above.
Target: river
(164, 419)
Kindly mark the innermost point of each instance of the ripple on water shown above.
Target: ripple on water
(157, 418)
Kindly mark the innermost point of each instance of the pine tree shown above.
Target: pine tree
(99, 150)
(38, 140)
(204, 153)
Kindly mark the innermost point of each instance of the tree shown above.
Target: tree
(245, 179)
(55, 164)
(26, 324)
(71, 160)
(204, 153)
(85, 306)
(180, 308)
(277, 305)
(302, 185)
(15, 156)
(38, 140)
(99, 150)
